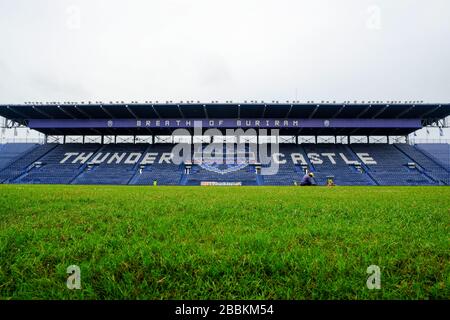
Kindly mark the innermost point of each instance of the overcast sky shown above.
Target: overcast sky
(80, 50)
(224, 50)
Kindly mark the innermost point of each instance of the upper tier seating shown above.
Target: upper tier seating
(50, 169)
(111, 173)
(12, 151)
(288, 173)
(430, 166)
(392, 166)
(21, 165)
(438, 151)
(343, 174)
(164, 173)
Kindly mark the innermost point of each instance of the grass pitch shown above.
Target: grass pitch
(224, 242)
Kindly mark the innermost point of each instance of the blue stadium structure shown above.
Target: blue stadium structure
(284, 164)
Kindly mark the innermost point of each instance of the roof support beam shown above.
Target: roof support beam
(264, 111)
(289, 111)
(431, 111)
(130, 111)
(42, 112)
(107, 112)
(66, 112)
(82, 112)
(338, 112)
(314, 112)
(17, 112)
(181, 112)
(405, 112)
(380, 112)
(363, 112)
(153, 107)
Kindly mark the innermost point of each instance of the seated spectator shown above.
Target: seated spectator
(307, 179)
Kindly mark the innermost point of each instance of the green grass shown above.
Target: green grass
(224, 242)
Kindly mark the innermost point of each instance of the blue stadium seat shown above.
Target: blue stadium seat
(120, 164)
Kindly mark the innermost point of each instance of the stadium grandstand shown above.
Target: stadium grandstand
(132, 144)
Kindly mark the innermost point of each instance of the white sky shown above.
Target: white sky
(59, 50)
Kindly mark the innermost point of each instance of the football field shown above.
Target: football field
(224, 242)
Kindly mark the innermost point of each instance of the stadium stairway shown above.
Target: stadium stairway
(392, 166)
(24, 163)
(363, 165)
(440, 152)
(49, 170)
(110, 173)
(427, 165)
(9, 153)
(288, 173)
(161, 171)
(343, 174)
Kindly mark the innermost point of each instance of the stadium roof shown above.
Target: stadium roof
(84, 111)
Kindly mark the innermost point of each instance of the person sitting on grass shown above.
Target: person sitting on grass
(307, 179)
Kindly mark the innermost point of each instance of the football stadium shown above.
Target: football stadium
(258, 234)
(237, 158)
